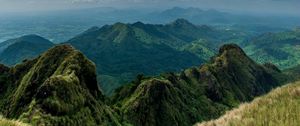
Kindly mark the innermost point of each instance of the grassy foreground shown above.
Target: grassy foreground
(278, 108)
(6, 122)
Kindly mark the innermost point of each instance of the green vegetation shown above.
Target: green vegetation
(156, 48)
(26, 47)
(60, 88)
(278, 108)
(186, 98)
(202, 48)
(122, 51)
(6, 122)
(57, 88)
(293, 73)
(281, 48)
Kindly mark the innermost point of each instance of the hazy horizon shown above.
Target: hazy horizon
(277, 7)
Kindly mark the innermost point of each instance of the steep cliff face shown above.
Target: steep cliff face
(57, 88)
(196, 93)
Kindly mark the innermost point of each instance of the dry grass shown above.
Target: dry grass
(281, 107)
(6, 122)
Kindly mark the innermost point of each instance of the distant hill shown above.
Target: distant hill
(280, 107)
(29, 38)
(5, 44)
(122, 51)
(195, 15)
(198, 93)
(26, 47)
(280, 48)
(60, 26)
(248, 21)
(129, 49)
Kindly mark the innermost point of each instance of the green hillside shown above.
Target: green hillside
(196, 94)
(26, 47)
(280, 107)
(29, 38)
(201, 48)
(281, 48)
(57, 88)
(60, 88)
(122, 51)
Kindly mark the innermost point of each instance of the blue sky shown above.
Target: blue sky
(267, 6)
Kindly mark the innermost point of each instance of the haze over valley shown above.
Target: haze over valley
(149, 62)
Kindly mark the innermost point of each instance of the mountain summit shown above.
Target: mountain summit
(185, 98)
(57, 88)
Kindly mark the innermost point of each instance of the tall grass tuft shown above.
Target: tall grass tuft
(278, 108)
(6, 122)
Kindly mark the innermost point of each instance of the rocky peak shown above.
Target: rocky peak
(60, 85)
(182, 22)
(231, 47)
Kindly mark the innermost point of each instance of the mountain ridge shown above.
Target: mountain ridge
(60, 87)
(57, 88)
(229, 79)
(109, 46)
(121, 50)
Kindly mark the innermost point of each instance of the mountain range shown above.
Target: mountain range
(60, 26)
(170, 47)
(123, 51)
(217, 17)
(60, 88)
(235, 70)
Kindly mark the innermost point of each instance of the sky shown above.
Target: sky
(291, 7)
